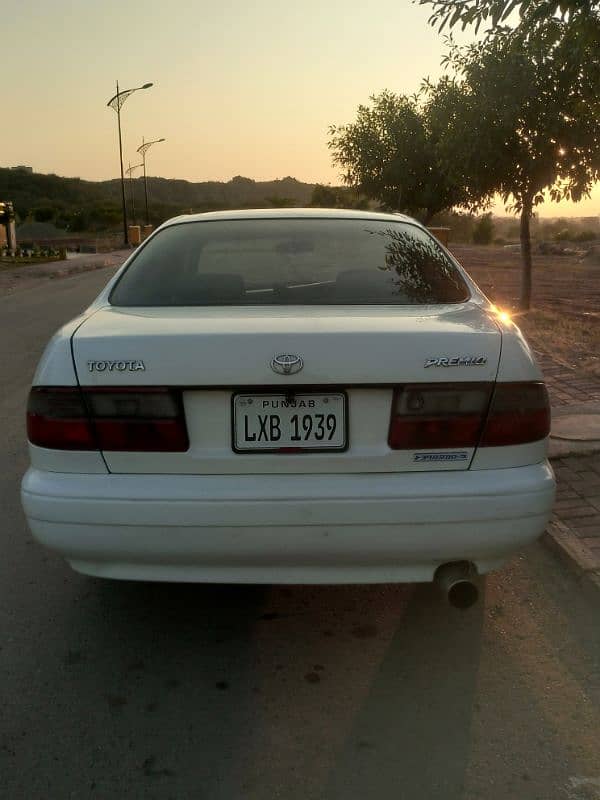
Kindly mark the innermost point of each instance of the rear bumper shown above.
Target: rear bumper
(287, 528)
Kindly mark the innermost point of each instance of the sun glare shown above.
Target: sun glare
(503, 316)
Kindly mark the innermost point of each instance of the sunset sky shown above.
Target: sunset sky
(240, 88)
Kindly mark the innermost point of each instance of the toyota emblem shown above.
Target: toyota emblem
(287, 364)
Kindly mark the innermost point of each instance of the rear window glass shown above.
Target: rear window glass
(300, 261)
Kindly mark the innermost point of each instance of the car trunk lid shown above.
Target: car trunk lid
(212, 354)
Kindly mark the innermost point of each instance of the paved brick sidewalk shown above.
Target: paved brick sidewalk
(575, 531)
(577, 509)
(578, 498)
(567, 385)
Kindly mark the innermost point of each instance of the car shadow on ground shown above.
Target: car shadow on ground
(260, 691)
(411, 736)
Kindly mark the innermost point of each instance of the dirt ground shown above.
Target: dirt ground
(564, 322)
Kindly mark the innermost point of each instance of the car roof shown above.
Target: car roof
(290, 213)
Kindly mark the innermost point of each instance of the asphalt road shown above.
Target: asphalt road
(120, 690)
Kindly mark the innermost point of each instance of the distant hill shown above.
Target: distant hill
(65, 201)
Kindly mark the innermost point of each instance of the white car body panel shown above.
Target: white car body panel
(56, 367)
(287, 529)
(87, 462)
(518, 362)
(368, 514)
(344, 345)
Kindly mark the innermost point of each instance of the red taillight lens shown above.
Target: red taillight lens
(519, 413)
(137, 420)
(438, 415)
(57, 419)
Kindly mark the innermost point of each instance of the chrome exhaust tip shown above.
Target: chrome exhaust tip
(458, 581)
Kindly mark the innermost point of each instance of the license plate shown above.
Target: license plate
(289, 423)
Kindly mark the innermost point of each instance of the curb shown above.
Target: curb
(24, 277)
(564, 543)
(558, 449)
(560, 446)
(66, 272)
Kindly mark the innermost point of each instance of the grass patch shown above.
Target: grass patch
(7, 261)
(573, 338)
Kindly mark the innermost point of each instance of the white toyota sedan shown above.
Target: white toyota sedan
(294, 396)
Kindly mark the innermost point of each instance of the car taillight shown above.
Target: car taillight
(145, 419)
(439, 415)
(519, 413)
(57, 419)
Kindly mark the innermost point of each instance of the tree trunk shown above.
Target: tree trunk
(525, 237)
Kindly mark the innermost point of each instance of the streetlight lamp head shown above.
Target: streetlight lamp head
(147, 85)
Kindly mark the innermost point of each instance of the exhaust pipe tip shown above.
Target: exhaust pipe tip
(463, 594)
(458, 581)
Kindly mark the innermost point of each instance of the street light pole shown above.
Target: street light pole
(145, 181)
(124, 206)
(129, 172)
(143, 149)
(116, 103)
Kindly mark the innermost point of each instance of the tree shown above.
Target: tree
(529, 126)
(44, 213)
(105, 216)
(390, 153)
(79, 221)
(324, 196)
(337, 197)
(275, 201)
(483, 232)
(566, 31)
(536, 17)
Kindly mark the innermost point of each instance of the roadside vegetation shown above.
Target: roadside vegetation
(573, 339)
(74, 206)
(517, 115)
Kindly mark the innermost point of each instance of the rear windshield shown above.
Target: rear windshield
(300, 261)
